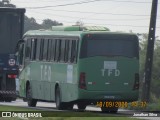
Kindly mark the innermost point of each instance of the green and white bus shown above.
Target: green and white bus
(79, 65)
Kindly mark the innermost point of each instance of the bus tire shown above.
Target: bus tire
(81, 106)
(24, 99)
(70, 106)
(59, 104)
(111, 110)
(30, 101)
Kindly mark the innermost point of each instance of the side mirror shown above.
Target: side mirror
(18, 44)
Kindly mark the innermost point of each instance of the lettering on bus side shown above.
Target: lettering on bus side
(111, 68)
(45, 72)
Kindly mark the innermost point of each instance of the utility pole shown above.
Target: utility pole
(149, 54)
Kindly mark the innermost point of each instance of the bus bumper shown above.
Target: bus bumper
(106, 95)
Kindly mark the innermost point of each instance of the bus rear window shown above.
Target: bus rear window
(109, 46)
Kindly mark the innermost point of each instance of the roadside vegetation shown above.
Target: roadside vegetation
(13, 108)
(154, 104)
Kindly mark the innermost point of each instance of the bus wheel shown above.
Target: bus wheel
(70, 106)
(81, 106)
(59, 104)
(111, 110)
(24, 100)
(31, 102)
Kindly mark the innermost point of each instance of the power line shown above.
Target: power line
(96, 19)
(86, 12)
(82, 2)
(122, 25)
(107, 24)
(90, 18)
(126, 1)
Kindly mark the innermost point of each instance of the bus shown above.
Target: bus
(79, 65)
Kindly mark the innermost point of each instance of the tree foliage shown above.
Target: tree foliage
(155, 81)
(47, 23)
(31, 24)
(155, 88)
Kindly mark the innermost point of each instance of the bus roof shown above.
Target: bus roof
(79, 28)
(71, 31)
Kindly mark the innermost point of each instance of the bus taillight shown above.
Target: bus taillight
(136, 82)
(12, 76)
(82, 81)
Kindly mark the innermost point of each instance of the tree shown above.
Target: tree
(155, 82)
(79, 23)
(31, 24)
(48, 23)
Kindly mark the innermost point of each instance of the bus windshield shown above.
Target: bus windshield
(109, 46)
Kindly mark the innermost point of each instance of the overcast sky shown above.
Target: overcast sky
(117, 15)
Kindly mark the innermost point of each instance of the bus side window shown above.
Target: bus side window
(58, 50)
(28, 49)
(66, 50)
(20, 55)
(38, 49)
(53, 48)
(69, 50)
(45, 49)
(73, 51)
(62, 50)
(32, 44)
(76, 51)
(41, 49)
(49, 49)
(33, 49)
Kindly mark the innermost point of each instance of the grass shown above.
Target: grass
(13, 108)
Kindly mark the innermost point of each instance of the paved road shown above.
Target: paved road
(47, 106)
